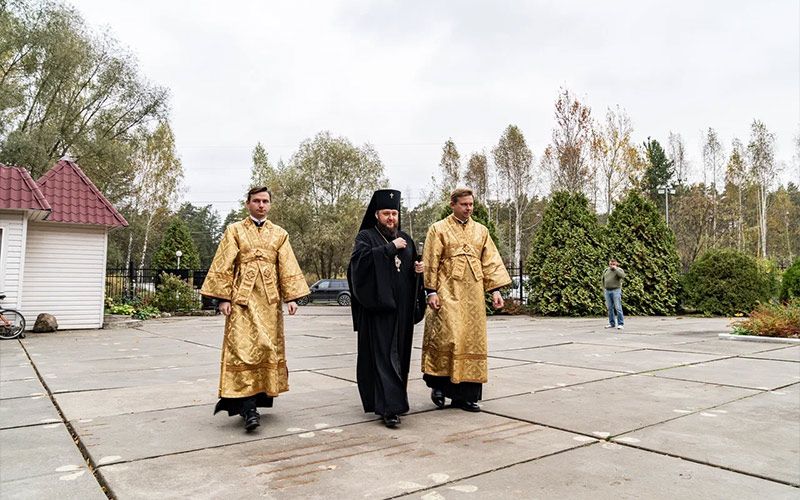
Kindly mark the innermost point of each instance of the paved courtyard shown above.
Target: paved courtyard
(663, 409)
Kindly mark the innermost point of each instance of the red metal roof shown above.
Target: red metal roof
(18, 190)
(74, 198)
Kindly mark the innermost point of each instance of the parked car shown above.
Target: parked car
(514, 292)
(328, 290)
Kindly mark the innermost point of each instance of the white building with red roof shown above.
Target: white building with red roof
(53, 244)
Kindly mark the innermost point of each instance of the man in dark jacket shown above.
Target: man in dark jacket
(612, 286)
(384, 281)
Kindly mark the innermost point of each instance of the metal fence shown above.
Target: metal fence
(518, 279)
(122, 283)
(141, 283)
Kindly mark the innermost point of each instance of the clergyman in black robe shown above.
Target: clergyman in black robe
(386, 285)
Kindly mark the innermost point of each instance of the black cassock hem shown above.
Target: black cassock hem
(239, 406)
(464, 391)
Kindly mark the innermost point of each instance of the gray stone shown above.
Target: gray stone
(45, 323)
(32, 410)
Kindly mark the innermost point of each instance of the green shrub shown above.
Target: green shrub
(125, 309)
(146, 313)
(640, 240)
(174, 294)
(790, 288)
(772, 320)
(725, 282)
(567, 259)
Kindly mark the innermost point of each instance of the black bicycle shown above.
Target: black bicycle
(12, 323)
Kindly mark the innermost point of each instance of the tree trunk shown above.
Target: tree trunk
(146, 237)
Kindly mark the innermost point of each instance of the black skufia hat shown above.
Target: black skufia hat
(382, 199)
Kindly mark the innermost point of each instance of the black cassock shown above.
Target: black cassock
(383, 305)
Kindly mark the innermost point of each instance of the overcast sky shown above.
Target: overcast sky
(407, 75)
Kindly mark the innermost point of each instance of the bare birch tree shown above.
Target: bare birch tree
(763, 170)
(477, 175)
(450, 165)
(613, 151)
(567, 157)
(713, 164)
(736, 177)
(676, 150)
(514, 161)
(157, 182)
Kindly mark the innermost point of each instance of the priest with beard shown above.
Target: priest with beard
(384, 279)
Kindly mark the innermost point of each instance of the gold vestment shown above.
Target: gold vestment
(254, 268)
(461, 263)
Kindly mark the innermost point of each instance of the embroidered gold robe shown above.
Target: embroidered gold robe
(461, 263)
(254, 268)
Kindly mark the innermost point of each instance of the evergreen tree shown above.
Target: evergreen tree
(204, 225)
(567, 259)
(176, 237)
(640, 240)
(660, 169)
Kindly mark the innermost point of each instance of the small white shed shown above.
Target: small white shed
(54, 261)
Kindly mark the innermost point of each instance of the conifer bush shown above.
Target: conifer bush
(725, 282)
(790, 288)
(638, 237)
(567, 258)
(174, 294)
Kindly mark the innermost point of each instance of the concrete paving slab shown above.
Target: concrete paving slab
(605, 471)
(113, 380)
(614, 406)
(77, 485)
(722, 347)
(151, 397)
(42, 450)
(762, 374)
(567, 354)
(365, 459)
(758, 435)
(599, 357)
(784, 354)
(195, 427)
(129, 363)
(18, 371)
(32, 410)
(534, 377)
(21, 388)
(322, 362)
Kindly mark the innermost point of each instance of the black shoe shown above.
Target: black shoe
(251, 420)
(391, 420)
(466, 406)
(437, 397)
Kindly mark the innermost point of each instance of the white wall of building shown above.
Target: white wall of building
(64, 274)
(12, 256)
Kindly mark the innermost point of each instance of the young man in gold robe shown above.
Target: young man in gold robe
(461, 263)
(254, 271)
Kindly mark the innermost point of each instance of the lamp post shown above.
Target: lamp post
(178, 255)
(666, 191)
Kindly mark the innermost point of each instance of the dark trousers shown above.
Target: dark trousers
(465, 391)
(240, 406)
